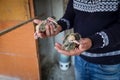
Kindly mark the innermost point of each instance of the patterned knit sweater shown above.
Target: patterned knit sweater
(100, 21)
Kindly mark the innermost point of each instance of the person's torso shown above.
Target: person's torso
(92, 16)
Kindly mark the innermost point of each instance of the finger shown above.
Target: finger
(48, 30)
(62, 51)
(58, 44)
(82, 47)
(52, 29)
(58, 29)
(41, 35)
(78, 51)
(51, 20)
(35, 36)
(37, 21)
(58, 47)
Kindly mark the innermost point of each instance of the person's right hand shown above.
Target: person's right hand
(49, 30)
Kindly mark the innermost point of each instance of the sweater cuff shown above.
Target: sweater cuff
(64, 23)
(99, 40)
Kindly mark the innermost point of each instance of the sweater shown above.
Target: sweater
(98, 20)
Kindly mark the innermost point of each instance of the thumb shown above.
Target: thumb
(85, 43)
(37, 21)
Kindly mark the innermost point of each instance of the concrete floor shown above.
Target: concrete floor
(53, 72)
(50, 69)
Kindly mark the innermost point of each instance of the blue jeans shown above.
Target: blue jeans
(88, 71)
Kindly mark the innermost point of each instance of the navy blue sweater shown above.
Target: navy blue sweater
(98, 20)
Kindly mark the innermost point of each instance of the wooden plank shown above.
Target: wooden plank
(31, 6)
(18, 56)
(7, 24)
(18, 52)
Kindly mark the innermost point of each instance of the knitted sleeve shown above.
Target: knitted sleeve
(66, 21)
(109, 37)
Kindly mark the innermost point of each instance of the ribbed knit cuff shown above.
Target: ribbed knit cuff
(97, 41)
(64, 23)
(100, 40)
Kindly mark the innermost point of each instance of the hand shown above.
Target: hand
(85, 44)
(49, 30)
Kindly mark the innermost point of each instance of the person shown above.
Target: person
(98, 21)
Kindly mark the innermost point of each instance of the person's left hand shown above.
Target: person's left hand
(85, 44)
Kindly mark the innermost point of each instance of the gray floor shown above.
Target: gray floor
(50, 70)
(53, 72)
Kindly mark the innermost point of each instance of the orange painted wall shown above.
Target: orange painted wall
(18, 53)
(14, 10)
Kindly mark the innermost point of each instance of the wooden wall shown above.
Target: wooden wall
(18, 52)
